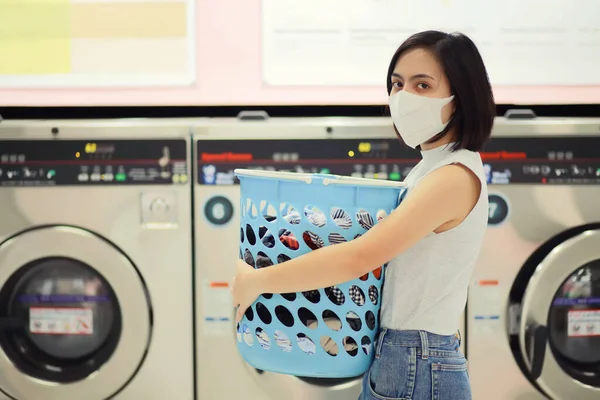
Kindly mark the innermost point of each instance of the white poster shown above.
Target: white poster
(61, 321)
(351, 42)
(582, 323)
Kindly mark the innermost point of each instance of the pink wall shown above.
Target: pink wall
(229, 73)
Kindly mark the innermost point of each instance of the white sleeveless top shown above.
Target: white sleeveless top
(426, 286)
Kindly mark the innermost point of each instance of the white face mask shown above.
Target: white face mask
(417, 118)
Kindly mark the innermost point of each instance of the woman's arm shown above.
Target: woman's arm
(446, 195)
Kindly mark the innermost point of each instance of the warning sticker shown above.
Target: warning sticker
(584, 323)
(61, 321)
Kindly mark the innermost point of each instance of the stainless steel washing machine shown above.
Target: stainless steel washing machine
(95, 261)
(534, 305)
(364, 147)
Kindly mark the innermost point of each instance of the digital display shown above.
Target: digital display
(101, 162)
(532, 160)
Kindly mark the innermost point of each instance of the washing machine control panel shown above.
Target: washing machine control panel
(543, 160)
(93, 162)
(507, 160)
(373, 158)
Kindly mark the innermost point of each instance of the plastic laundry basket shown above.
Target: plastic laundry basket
(321, 333)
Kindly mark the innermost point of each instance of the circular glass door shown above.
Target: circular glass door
(75, 316)
(65, 319)
(574, 325)
(560, 323)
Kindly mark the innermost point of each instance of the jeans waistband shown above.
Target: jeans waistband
(419, 339)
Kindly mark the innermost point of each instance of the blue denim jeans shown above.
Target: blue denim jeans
(417, 365)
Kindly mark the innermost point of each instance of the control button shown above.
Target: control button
(218, 210)
(159, 210)
(159, 206)
(395, 176)
(80, 177)
(95, 177)
(498, 209)
(120, 177)
(108, 177)
(546, 170)
(369, 175)
(357, 174)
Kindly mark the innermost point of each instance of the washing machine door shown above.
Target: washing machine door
(559, 333)
(74, 316)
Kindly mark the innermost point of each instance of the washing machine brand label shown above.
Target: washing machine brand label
(575, 302)
(61, 321)
(583, 323)
(498, 209)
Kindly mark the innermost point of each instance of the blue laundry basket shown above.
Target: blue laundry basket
(327, 333)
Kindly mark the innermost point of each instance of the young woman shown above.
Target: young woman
(441, 103)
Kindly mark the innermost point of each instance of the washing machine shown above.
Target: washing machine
(534, 304)
(95, 261)
(361, 147)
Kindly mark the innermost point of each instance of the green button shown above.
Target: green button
(325, 171)
(120, 177)
(395, 176)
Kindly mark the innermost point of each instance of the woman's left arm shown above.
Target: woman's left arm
(441, 197)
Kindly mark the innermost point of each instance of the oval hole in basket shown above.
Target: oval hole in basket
(313, 296)
(238, 333)
(354, 321)
(250, 235)
(332, 321)
(248, 259)
(242, 235)
(381, 214)
(335, 238)
(350, 346)
(266, 237)
(249, 314)
(364, 219)
(263, 313)
(282, 258)
(315, 216)
(312, 240)
(340, 218)
(283, 341)
(263, 338)
(306, 344)
(288, 239)
(365, 343)
(289, 296)
(330, 346)
(267, 295)
(307, 318)
(373, 295)
(268, 211)
(247, 335)
(335, 295)
(377, 273)
(289, 214)
(284, 316)
(357, 295)
(370, 320)
(263, 260)
(251, 209)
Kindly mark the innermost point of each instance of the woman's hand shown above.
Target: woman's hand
(244, 288)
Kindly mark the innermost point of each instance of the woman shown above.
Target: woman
(441, 103)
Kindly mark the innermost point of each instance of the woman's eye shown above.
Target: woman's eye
(423, 86)
(397, 84)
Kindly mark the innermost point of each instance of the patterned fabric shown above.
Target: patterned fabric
(312, 295)
(357, 295)
(282, 258)
(336, 238)
(315, 217)
(248, 259)
(354, 321)
(292, 217)
(288, 239)
(341, 218)
(373, 295)
(365, 220)
(335, 295)
(313, 240)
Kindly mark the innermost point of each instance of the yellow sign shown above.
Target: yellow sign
(90, 148)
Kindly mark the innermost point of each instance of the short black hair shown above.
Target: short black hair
(469, 83)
